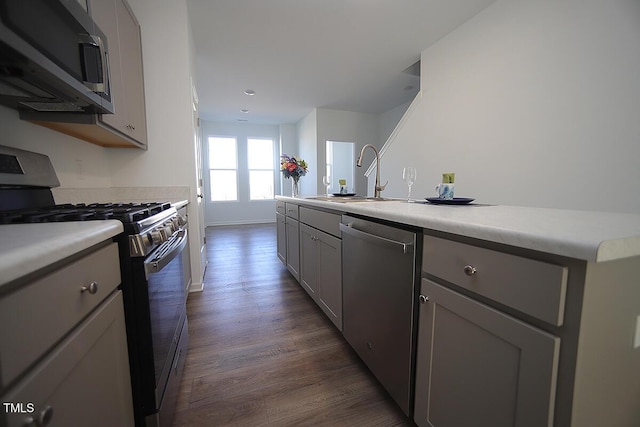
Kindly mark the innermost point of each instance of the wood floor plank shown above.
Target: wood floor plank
(261, 353)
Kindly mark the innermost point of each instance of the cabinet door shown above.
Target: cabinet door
(281, 236)
(104, 13)
(85, 379)
(293, 247)
(132, 78)
(309, 260)
(479, 367)
(330, 277)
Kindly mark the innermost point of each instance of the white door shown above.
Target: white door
(197, 139)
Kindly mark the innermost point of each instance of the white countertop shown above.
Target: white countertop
(586, 235)
(26, 248)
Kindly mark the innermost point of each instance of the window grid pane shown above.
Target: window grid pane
(222, 153)
(224, 185)
(223, 175)
(260, 162)
(261, 185)
(260, 154)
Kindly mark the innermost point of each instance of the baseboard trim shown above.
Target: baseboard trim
(223, 223)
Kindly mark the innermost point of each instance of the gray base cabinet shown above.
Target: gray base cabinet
(321, 270)
(309, 245)
(281, 237)
(479, 367)
(85, 380)
(293, 240)
(293, 248)
(65, 360)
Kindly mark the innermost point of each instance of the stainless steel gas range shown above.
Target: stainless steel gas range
(154, 263)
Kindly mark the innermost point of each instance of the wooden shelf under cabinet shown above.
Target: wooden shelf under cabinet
(85, 127)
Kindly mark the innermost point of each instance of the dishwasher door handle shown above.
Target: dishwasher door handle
(374, 238)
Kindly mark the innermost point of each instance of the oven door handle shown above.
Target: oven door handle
(157, 263)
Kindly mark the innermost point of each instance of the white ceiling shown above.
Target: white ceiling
(303, 54)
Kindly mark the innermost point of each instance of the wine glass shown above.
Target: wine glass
(327, 182)
(409, 177)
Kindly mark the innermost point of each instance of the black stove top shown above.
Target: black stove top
(124, 212)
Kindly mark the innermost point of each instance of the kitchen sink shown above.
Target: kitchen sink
(350, 199)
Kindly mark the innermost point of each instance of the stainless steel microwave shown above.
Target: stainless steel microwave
(53, 57)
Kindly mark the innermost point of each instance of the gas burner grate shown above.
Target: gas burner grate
(125, 212)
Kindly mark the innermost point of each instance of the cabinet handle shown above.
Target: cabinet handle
(92, 288)
(46, 414)
(469, 270)
(423, 299)
(44, 418)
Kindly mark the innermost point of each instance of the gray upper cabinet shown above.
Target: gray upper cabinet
(127, 126)
(126, 69)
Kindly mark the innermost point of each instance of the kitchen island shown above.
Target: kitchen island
(525, 316)
(585, 235)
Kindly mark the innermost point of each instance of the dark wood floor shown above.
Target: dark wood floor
(261, 353)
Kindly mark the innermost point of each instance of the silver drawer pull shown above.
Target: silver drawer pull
(423, 299)
(92, 288)
(469, 270)
(46, 415)
(44, 418)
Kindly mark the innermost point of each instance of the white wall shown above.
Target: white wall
(307, 132)
(388, 121)
(166, 56)
(77, 163)
(531, 103)
(242, 211)
(336, 125)
(288, 145)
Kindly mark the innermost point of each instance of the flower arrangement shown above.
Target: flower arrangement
(292, 167)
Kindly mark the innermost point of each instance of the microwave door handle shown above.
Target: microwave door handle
(156, 264)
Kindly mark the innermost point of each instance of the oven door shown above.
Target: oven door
(165, 273)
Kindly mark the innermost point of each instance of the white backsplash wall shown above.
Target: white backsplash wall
(531, 103)
(77, 163)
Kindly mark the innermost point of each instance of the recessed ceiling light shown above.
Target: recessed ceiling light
(244, 110)
(250, 92)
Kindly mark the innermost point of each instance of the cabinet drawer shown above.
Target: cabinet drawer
(280, 207)
(37, 316)
(533, 287)
(291, 210)
(324, 221)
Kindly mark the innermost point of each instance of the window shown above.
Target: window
(261, 174)
(223, 172)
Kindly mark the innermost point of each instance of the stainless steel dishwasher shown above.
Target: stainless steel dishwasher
(380, 273)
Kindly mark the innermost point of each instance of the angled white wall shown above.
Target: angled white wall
(530, 103)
